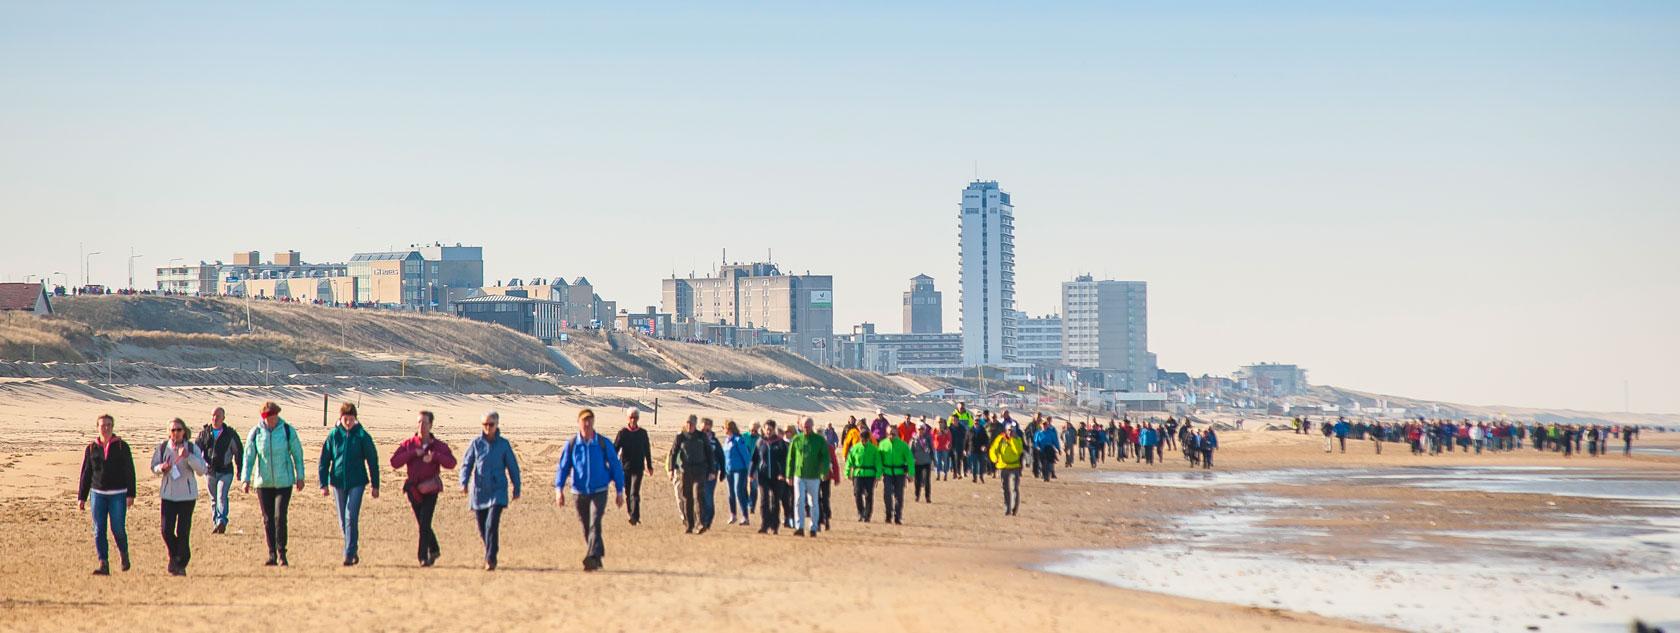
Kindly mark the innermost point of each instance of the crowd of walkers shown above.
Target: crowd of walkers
(785, 474)
(1434, 437)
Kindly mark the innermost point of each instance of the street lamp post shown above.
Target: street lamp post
(87, 266)
(131, 258)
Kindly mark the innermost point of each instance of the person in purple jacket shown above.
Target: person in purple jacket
(591, 464)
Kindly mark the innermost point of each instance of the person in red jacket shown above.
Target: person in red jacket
(425, 457)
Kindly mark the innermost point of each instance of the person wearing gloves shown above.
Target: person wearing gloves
(180, 463)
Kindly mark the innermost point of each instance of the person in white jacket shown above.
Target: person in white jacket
(180, 463)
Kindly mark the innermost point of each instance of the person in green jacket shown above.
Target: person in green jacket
(807, 464)
(896, 464)
(274, 462)
(863, 465)
(350, 464)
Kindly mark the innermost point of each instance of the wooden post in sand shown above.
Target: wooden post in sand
(323, 409)
(656, 412)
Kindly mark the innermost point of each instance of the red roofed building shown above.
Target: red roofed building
(24, 297)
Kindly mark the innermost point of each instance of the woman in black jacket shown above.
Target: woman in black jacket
(108, 476)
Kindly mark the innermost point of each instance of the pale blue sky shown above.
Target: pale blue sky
(1472, 203)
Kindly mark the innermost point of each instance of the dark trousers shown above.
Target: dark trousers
(1207, 458)
(784, 494)
(490, 531)
(177, 531)
(1048, 472)
(1148, 454)
(1069, 462)
(770, 504)
(822, 502)
(959, 460)
(590, 507)
(892, 496)
(924, 483)
(274, 502)
(1011, 478)
(633, 495)
(691, 498)
(863, 495)
(424, 507)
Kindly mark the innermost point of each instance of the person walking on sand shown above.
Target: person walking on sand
(769, 467)
(1005, 453)
(691, 461)
(922, 449)
(349, 465)
(942, 450)
(274, 464)
(959, 448)
(897, 463)
(1209, 442)
(220, 446)
(107, 479)
(179, 462)
(737, 467)
(1046, 441)
(807, 463)
(424, 457)
(708, 487)
(488, 469)
(636, 454)
(590, 463)
(978, 446)
(863, 465)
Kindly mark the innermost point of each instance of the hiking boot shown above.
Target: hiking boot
(104, 569)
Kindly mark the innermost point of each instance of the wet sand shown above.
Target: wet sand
(957, 564)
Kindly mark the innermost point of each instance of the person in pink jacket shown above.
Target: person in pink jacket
(425, 457)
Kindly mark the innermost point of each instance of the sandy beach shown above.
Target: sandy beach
(956, 564)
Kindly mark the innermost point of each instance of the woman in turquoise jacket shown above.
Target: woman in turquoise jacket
(487, 470)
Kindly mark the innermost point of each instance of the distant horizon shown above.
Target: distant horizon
(1471, 202)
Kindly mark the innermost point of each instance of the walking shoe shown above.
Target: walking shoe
(104, 569)
(271, 561)
(125, 562)
(763, 530)
(219, 529)
(490, 566)
(799, 532)
(283, 561)
(703, 528)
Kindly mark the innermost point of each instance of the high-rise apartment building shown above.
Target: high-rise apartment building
(986, 266)
(1105, 327)
(923, 307)
(1038, 339)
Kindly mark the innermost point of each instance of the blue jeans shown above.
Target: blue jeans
(708, 505)
(220, 484)
(752, 491)
(349, 503)
(942, 461)
(806, 506)
(110, 511)
(740, 502)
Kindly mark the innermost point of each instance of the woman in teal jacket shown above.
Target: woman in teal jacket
(487, 470)
(350, 464)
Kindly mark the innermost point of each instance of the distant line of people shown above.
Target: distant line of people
(1434, 437)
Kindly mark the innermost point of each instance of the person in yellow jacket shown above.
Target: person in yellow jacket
(963, 415)
(853, 434)
(1006, 454)
(863, 466)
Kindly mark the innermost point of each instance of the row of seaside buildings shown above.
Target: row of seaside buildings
(1097, 346)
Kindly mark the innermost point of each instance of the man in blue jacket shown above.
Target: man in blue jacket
(1342, 428)
(591, 463)
(1046, 442)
